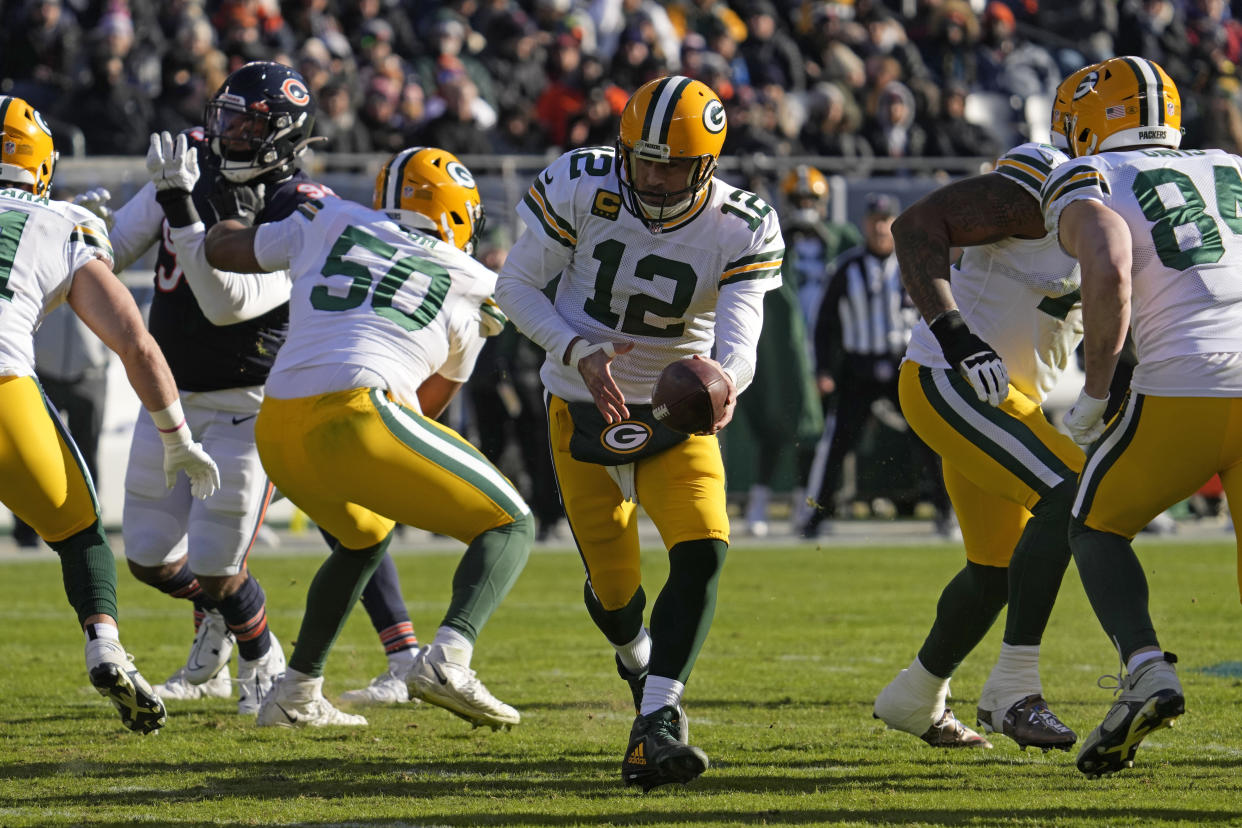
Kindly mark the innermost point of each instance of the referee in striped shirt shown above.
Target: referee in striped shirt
(861, 330)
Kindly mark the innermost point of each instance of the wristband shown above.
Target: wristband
(170, 423)
(178, 207)
(569, 349)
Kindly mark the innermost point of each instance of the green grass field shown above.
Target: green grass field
(781, 701)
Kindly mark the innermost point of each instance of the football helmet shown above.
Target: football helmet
(668, 119)
(1063, 103)
(804, 182)
(427, 188)
(27, 154)
(1125, 102)
(259, 121)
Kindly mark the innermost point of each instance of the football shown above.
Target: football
(690, 395)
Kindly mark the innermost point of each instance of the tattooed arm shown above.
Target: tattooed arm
(979, 210)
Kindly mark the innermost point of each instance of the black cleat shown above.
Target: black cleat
(1151, 698)
(1030, 723)
(141, 710)
(657, 755)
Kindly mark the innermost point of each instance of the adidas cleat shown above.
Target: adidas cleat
(113, 674)
(1030, 723)
(949, 732)
(454, 687)
(657, 754)
(1151, 698)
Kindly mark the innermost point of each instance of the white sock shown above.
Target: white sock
(401, 660)
(637, 653)
(914, 700)
(661, 692)
(1138, 659)
(455, 647)
(108, 632)
(1014, 677)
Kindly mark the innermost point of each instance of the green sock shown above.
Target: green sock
(965, 612)
(1038, 565)
(683, 610)
(619, 626)
(486, 573)
(332, 594)
(1116, 586)
(89, 571)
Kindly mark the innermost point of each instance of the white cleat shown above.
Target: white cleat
(387, 688)
(301, 704)
(113, 674)
(256, 678)
(219, 686)
(211, 650)
(455, 688)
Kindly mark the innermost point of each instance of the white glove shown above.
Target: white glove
(173, 165)
(96, 201)
(986, 373)
(190, 458)
(1085, 419)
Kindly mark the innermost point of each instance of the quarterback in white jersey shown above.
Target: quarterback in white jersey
(387, 315)
(1156, 231)
(999, 327)
(53, 252)
(658, 260)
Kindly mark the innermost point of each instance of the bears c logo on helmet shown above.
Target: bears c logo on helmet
(625, 437)
(295, 91)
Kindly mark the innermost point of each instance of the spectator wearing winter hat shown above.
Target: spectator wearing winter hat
(893, 131)
(1011, 65)
(772, 58)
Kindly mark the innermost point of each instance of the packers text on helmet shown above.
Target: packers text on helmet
(669, 119)
(428, 189)
(27, 154)
(1125, 102)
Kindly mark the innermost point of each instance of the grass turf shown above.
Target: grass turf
(781, 699)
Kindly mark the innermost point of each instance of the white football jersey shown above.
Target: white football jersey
(625, 283)
(43, 243)
(1018, 295)
(1183, 211)
(371, 299)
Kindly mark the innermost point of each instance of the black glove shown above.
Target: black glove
(240, 202)
(972, 357)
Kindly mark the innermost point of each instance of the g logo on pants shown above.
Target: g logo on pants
(625, 437)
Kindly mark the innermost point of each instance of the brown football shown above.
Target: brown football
(690, 395)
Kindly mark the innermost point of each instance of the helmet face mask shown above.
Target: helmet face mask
(668, 121)
(259, 121)
(1125, 102)
(1063, 103)
(428, 189)
(28, 155)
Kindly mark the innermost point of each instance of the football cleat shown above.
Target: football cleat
(219, 686)
(658, 753)
(1151, 698)
(256, 678)
(387, 688)
(113, 674)
(301, 704)
(455, 688)
(1030, 723)
(949, 732)
(211, 650)
(637, 682)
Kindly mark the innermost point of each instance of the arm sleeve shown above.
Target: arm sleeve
(226, 298)
(137, 226)
(464, 347)
(529, 267)
(739, 321)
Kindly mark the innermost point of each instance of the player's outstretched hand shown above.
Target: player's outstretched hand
(96, 200)
(172, 163)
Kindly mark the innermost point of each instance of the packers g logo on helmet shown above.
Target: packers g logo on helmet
(427, 188)
(1126, 102)
(27, 153)
(1071, 89)
(669, 119)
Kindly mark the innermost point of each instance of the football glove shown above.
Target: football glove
(974, 359)
(190, 458)
(173, 165)
(1085, 419)
(96, 200)
(239, 202)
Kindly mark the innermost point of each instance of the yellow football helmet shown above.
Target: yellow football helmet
(1125, 102)
(429, 189)
(667, 119)
(1063, 103)
(804, 182)
(27, 154)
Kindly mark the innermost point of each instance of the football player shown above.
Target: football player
(1155, 230)
(387, 317)
(999, 328)
(53, 252)
(659, 260)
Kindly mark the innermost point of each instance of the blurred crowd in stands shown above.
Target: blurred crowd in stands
(851, 78)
